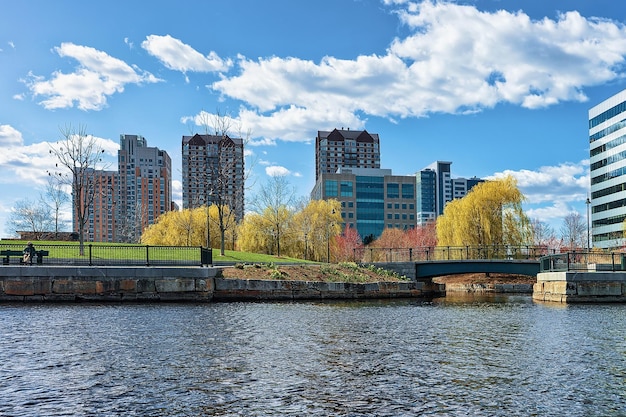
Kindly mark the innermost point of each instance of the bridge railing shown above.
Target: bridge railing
(446, 253)
(583, 261)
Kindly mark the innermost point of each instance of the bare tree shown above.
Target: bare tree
(224, 174)
(80, 154)
(31, 216)
(131, 223)
(542, 232)
(56, 198)
(573, 231)
(274, 203)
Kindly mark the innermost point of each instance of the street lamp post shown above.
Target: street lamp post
(588, 202)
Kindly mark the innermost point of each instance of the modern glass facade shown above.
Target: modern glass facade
(436, 188)
(607, 150)
(371, 199)
(426, 196)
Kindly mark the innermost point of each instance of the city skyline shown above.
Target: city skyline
(496, 88)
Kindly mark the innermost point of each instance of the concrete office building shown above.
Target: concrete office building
(345, 148)
(213, 172)
(371, 199)
(607, 150)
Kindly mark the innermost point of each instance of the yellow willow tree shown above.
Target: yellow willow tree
(490, 214)
(253, 235)
(315, 226)
(180, 228)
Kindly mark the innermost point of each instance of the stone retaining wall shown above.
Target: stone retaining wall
(236, 289)
(57, 283)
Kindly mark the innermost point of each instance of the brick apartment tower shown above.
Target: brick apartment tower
(345, 149)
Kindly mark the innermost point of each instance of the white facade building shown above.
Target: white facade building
(607, 151)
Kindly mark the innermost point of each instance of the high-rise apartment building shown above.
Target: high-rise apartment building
(371, 199)
(102, 217)
(145, 180)
(128, 200)
(345, 148)
(436, 188)
(213, 172)
(607, 151)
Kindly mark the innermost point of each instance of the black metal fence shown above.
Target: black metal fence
(583, 261)
(441, 253)
(109, 255)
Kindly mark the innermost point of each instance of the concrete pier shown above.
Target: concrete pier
(581, 287)
(192, 284)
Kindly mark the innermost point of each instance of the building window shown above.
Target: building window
(408, 190)
(331, 188)
(393, 190)
(346, 188)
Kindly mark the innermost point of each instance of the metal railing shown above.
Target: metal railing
(113, 255)
(583, 261)
(441, 253)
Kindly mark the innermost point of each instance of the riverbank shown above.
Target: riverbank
(195, 284)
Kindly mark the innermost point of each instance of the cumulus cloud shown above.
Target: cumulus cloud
(179, 56)
(456, 59)
(565, 182)
(552, 191)
(277, 171)
(28, 164)
(10, 137)
(97, 76)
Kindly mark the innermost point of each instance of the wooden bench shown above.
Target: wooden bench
(7, 253)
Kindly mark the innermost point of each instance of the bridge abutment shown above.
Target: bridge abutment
(580, 287)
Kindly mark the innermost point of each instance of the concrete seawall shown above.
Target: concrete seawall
(581, 287)
(192, 284)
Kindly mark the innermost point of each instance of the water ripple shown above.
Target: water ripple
(451, 357)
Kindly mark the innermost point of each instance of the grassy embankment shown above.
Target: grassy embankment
(247, 265)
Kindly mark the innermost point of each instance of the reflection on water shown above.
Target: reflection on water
(479, 355)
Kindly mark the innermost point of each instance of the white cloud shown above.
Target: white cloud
(277, 171)
(177, 192)
(565, 182)
(97, 76)
(457, 59)
(179, 56)
(10, 137)
(29, 164)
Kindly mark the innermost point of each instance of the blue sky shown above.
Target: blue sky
(495, 86)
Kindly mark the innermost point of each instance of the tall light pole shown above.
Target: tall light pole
(588, 203)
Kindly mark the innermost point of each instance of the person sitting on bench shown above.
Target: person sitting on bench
(29, 254)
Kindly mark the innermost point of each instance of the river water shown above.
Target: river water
(455, 356)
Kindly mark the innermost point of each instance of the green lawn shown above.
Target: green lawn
(61, 249)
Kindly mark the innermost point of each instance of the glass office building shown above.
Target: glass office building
(607, 151)
(371, 199)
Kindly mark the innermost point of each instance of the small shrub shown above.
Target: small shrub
(240, 265)
(277, 274)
